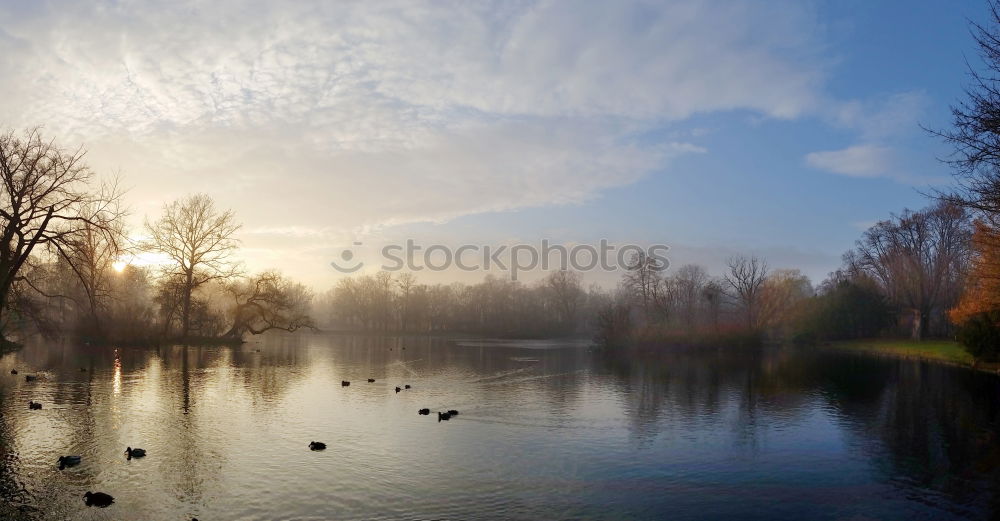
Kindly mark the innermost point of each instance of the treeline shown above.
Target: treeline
(64, 255)
(657, 306)
(557, 305)
(902, 278)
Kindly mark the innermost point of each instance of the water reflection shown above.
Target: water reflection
(545, 431)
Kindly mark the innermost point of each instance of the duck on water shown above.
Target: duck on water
(68, 461)
(135, 453)
(98, 499)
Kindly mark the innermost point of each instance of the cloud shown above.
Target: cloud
(373, 114)
(883, 119)
(854, 161)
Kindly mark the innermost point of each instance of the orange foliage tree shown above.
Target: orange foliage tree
(982, 291)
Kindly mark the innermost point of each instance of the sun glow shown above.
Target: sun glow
(119, 266)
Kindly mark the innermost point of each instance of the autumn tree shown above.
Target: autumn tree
(49, 200)
(781, 299)
(199, 241)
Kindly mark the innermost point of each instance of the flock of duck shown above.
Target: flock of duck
(92, 499)
(441, 415)
(104, 500)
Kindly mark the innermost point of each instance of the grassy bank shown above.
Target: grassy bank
(947, 351)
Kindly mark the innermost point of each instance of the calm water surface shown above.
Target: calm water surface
(546, 431)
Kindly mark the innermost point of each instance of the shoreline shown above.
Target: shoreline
(945, 352)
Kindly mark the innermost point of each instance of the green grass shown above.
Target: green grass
(941, 350)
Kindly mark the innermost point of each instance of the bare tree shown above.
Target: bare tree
(690, 281)
(919, 258)
(712, 293)
(746, 276)
(268, 301)
(975, 134)
(48, 199)
(642, 279)
(93, 252)
(199, 240)
(407, 283)
(565, 289)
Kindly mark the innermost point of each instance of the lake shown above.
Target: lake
(546, 430)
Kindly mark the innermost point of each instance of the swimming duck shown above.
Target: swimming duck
(135, 453)
(13, 371)
(344, 383)
(34, 406)
(68, 461)
(443, 416)
(317, 445)
(371, 380)
(398, 389)
(98, 499)
(407, 386)
(424, 411)
(30, 378)
(452, 412)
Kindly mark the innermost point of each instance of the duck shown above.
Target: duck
(344, 383)
(407, 386)
(98, 499)
(83, 369)
(424, 412)
(34, 406)
(398, 389)
(443, 416)
(30, 378)
(13, 371)
(317, 445)
(371, 380)
(68, 461)
(135, 453)
(452, 412)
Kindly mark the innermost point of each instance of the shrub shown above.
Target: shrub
(980, 335)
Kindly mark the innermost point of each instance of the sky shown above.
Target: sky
(780, 129)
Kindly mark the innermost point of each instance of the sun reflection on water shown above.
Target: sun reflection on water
(117, 375)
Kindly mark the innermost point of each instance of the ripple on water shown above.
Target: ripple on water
(551, 433)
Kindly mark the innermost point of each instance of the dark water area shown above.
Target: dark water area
(546, 430)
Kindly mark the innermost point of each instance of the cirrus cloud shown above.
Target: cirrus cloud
(373, 114)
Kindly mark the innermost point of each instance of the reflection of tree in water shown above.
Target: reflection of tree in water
(921, 425)
(937, 426)
(14, 499)
(695, 389)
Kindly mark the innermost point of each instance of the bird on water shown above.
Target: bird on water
(98, 499)
(68, 461)
(135, 453)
